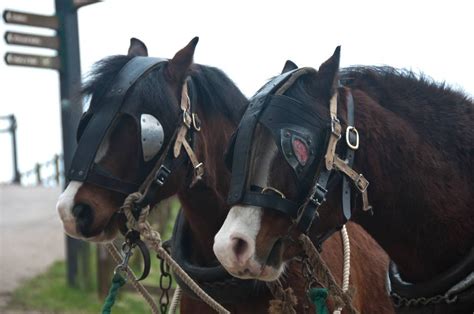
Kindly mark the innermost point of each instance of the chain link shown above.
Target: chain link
(400, 301)
(165, 285)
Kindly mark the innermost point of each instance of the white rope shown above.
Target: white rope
(347, 263)
(175, 300)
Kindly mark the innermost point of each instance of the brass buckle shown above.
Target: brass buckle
(336, 127)
(353, 130)
(269, 188)
(361, 183)
(199, 170)
(187, 119)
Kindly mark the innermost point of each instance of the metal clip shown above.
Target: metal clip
(127, 253)
(196, 122)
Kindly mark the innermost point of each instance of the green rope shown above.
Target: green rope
(117, 282)
(318, 296)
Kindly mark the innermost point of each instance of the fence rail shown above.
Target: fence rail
(47, 173)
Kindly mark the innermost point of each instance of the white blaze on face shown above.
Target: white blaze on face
(244, 221)
(64, 207)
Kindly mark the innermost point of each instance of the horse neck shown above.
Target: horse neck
(421, 203)
(204, 205)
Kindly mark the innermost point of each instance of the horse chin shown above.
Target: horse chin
(267, 273)
(107, 234)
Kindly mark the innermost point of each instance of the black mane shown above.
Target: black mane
(216, 93)
(383, 79)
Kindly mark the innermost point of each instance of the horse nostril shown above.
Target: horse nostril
(241, 249)
(84, 218)
(239, 246)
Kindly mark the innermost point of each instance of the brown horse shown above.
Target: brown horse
(90, 212)
(416, 150)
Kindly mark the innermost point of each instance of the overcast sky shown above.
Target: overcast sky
(248, 40)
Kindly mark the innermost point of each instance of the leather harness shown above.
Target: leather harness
(288, 118)
(449, 292)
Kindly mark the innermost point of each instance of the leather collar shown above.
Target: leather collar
(215, 280)
(450, 291)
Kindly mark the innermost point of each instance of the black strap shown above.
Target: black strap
(101, 177)
(101, 121)
(346, 186)
(282, 205)
(317, 197)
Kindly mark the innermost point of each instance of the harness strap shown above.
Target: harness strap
(296, 75)
(360, 182)
(270, 201)
(336, 130)
(190, 120)
(350, 152)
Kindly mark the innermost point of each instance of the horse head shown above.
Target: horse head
(286, 142)
(130, 122)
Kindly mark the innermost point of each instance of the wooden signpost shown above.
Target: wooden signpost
(67, 63)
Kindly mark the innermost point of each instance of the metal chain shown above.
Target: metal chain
(400, 301)
(165, 285)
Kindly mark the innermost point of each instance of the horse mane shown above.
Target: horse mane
(437, 112)
(216, 92)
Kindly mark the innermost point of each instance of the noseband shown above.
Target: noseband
(297, 133)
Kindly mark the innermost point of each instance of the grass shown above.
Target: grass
(49, 292)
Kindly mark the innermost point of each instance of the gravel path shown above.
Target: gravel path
(31, 236)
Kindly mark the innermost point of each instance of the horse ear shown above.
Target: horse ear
(182, 60)
(137, 48)
(328, 73)
(289, 66)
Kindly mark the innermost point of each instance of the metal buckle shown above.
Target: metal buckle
(350, 129)
(187, 119)
(269, 188)
(161, 175)
(319, 195)
(361, 183)
(199, 170)
(336, 127)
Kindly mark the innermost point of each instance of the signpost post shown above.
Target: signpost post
(67, 62)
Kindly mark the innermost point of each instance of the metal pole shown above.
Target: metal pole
(16, 172)
(71, 110)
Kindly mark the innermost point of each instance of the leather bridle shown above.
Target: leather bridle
(96, 123)
(289, 120)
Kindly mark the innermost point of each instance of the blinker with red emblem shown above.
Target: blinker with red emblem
(301, 151)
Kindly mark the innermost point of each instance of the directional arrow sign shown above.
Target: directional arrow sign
(81, 3)
(32, 40)
(15, 17)
(32, 61)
